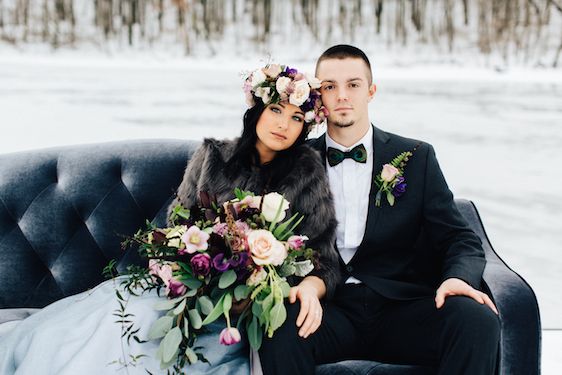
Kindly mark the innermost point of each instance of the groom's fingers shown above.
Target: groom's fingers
(311, 322)
(305, 305)
(293, 294)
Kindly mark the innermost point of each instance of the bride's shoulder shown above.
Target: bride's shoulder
(222, 148)
(308, 155)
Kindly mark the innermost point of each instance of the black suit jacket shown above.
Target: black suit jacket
(408, 249)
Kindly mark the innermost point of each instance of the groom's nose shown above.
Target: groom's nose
(342, 94)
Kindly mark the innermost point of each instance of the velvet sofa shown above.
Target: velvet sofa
(63, 211)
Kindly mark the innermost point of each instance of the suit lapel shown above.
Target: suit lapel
(381, 156)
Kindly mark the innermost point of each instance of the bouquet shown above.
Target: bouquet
(214, 257)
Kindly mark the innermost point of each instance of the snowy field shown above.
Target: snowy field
(497, 135)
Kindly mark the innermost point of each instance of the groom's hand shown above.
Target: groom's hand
(308, 292)
(457, 287)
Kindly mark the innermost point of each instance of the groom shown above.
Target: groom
(412, 269)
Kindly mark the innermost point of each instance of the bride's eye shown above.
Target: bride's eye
(298, 118)
(275, 109)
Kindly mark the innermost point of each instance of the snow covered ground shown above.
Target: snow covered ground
(497, 134)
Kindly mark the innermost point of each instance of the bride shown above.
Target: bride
(78, 334)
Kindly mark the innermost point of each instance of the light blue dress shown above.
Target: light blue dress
(78, 335)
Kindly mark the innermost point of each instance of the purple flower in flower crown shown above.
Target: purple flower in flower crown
(290, 71)
(220, 263)
(400, 187)
(201, 264)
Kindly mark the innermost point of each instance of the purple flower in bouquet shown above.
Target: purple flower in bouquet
(220, 263)
(230, 336)
(194, 239)
(175, 288)
(201, 264)
(239, 259)
(400, 187)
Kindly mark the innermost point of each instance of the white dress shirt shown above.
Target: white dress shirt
(350, 182)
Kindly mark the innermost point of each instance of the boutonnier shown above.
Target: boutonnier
(391, 181)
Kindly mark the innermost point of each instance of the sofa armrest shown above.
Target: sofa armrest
(520, 343)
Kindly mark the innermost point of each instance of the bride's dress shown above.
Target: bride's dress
(78, 335)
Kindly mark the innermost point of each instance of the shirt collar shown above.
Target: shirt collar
(367, 141)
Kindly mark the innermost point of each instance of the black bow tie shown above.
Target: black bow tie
(357, 153)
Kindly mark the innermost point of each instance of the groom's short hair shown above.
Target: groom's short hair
(345, 51)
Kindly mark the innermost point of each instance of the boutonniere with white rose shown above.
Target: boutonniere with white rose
(391, 181)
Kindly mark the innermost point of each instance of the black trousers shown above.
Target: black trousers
(460, 338)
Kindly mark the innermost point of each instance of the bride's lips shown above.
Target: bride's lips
(279, 136)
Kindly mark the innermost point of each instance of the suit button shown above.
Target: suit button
(349, 268)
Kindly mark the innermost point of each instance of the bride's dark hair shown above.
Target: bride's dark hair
(246, 155)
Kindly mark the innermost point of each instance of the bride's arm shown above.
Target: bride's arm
(189, 189)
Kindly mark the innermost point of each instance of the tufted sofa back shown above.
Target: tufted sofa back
(62, 212)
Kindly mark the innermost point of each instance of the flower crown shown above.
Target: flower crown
(278, 83)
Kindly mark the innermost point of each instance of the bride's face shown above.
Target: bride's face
(278, 128)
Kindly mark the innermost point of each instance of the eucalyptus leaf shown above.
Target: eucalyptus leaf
(179, 308)
(206, 305)
(185, 328)
(303, 268)
(195, 318)
(191, 356)
(285, 288)
(256, 309)
(241, 292)
(227, 303)
(254, 334)
(267, 303)
(277, 316)
(217, 311)
(171, 343)
(191, 283)
(287, 269)
(166, 304)
(160, 327)
(191, 292)
(227, 279)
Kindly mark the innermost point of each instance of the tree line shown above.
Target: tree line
(526, 30)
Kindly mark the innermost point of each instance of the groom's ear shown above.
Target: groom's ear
(372, 91)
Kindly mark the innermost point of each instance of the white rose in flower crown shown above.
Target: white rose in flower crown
(281, 84)
(265, 248)
(299, 96)
(270, 205)
(263, 93)
(257, 77)
(314, 82)
(309, 116)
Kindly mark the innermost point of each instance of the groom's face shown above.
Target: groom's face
(346, 90)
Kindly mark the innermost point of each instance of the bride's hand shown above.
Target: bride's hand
(309, 291)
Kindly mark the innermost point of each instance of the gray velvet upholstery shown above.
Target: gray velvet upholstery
(63, 211)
